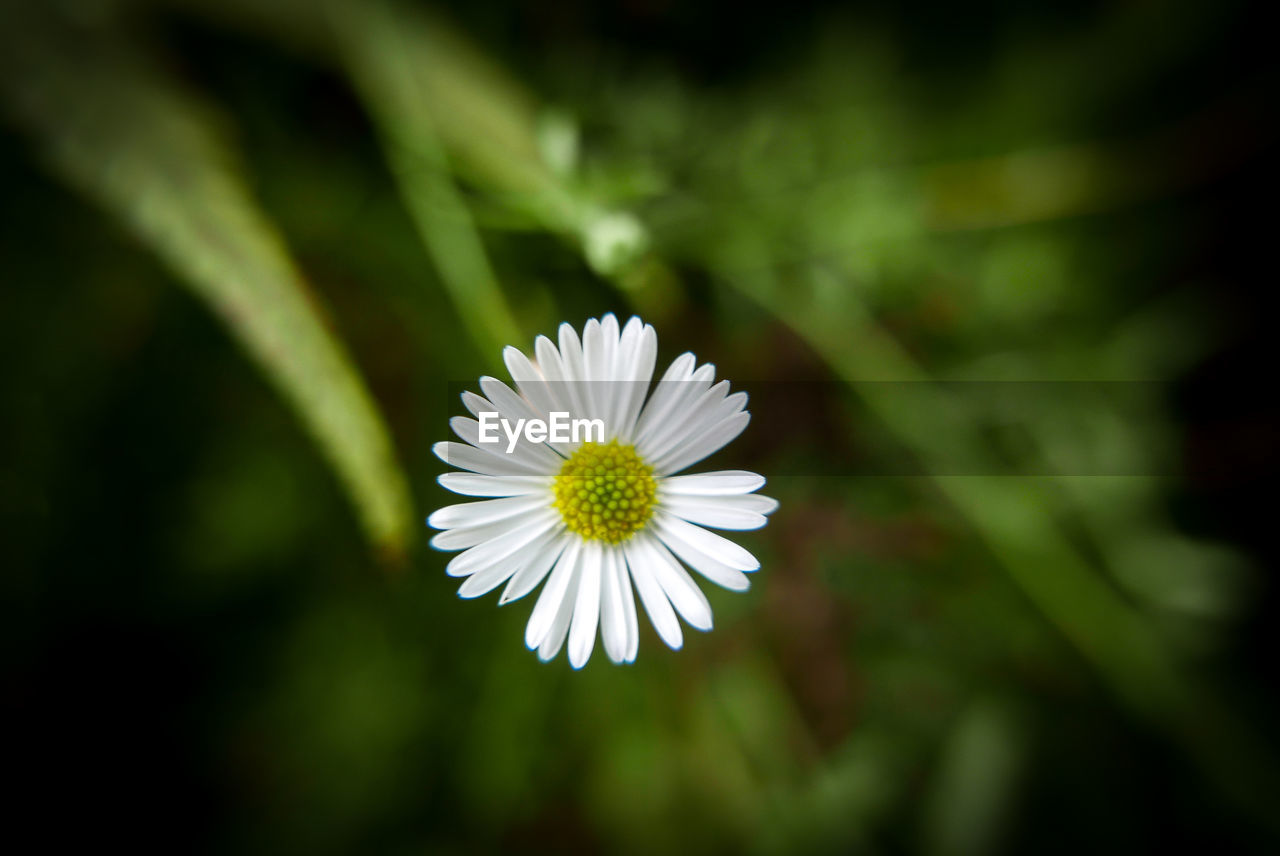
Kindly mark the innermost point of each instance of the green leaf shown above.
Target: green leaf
(154, 157)
(406, 81)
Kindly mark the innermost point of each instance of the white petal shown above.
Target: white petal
(642, 362)
(713, 569)
(531, 380)
(721, 482)
(715, 546)
(486, 511)
(593, 351)
(521, 367)
(536, 456)
(576, 389)
(759, 503)
(509, 402)
(474, 484)
(610, 334)
(500, 547)
(552, 642)
(476, 404)
(552, 368)
(466, 457)
(487, 579)
(624, 356)
(628, 607)
(613, 618)
(710, 442)
(715, 412)
(462, 537)
(703, 419)
(586, 611)
(622, 365)
(674, 407)
(597, 362)
(705, 511)
(527, 578)
(671, 382)
(611, 390)
(693, 418)
(628, 341)
(505, 400)
(655, 601)
(548, 605)
(676, 583)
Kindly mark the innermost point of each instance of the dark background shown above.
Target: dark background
(205, 649)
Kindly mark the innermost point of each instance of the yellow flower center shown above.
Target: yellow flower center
(605, 492)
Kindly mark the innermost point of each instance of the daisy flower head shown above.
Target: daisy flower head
(580, 465)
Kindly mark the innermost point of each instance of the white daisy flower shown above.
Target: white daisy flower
(581, 461)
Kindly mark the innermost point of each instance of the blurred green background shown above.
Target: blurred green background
(248, 244)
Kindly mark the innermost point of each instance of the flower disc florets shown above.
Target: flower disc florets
(605, 492)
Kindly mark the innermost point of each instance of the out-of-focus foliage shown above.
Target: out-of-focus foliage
(148, 153)
(879, 223)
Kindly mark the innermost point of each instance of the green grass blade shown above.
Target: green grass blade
(152, 156)
(392, 62)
